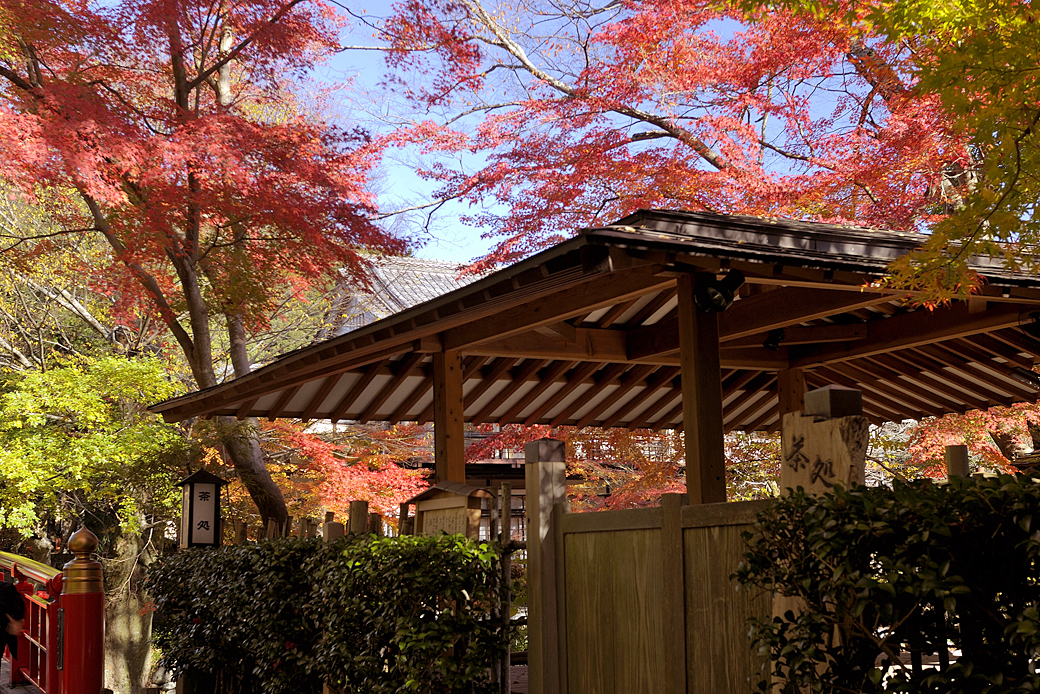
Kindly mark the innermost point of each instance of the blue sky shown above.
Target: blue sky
(397, 184)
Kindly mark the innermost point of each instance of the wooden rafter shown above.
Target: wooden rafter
(403, 371)
(552, 373)
(652, 386)
(356, 390)
(518, 381)
(632, 379)
(610, 374)
(574, 380)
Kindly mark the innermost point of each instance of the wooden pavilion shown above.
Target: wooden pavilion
(608, 329)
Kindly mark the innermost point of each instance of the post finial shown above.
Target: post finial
(83, 574)
(83, 543)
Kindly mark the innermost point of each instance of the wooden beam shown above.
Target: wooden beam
(754, 315)
(448, 431)
(244, 408)
(1020, 341)
(559, 329)
(407, 364)
(591, 344)
(809, 335)
(928, 364)
(597, 292)
(732, 384)
(644, 421)
(871, 409)
(409, 402)
(588, 344)
(667, 418)
(912, 329)
(790, 390)
(653, 306)
(936, 388)
(770, 411)
(470, 366)
(489, 379)
(954, 359)
(999, 349)
(897, 410)
(901, 393)
(614, 312)
(283, 400)
(702, 396)
(751, 391)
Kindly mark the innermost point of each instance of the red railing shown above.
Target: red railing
(62, 648)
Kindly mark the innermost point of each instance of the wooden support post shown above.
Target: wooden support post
(674, 594)
(701, 396)
(505, 609)
(375, 524)
(405, 524)
(957, 461)
(790, 390)
(449, 444)
(358, 517)
(546, 488)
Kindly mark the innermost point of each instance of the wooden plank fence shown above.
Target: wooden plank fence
(636, 601)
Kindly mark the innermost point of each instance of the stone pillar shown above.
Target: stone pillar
(826, 445)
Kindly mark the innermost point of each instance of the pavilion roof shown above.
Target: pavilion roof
(584, 333)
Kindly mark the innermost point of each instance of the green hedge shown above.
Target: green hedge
(891, 574)
(364, 614)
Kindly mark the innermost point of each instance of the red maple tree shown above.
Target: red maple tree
(171, 129)
(586, 111)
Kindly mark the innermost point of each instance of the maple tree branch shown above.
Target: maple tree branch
(650, 135)
(16, 79)
(435, 204)
(245, 43)
(150, 284)
(506, 42)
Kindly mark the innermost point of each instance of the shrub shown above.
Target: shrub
(365, 614)
(892, 575)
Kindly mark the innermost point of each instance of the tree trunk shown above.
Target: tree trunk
(242, 438)
(128, 626)
(242, 442)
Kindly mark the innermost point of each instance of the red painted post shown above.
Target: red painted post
(81, 660)
(51, 679)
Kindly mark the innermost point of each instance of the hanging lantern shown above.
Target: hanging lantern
(200, 510)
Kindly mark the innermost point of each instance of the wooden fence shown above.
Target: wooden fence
(638, 600)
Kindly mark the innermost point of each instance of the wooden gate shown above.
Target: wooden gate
(640, 600)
